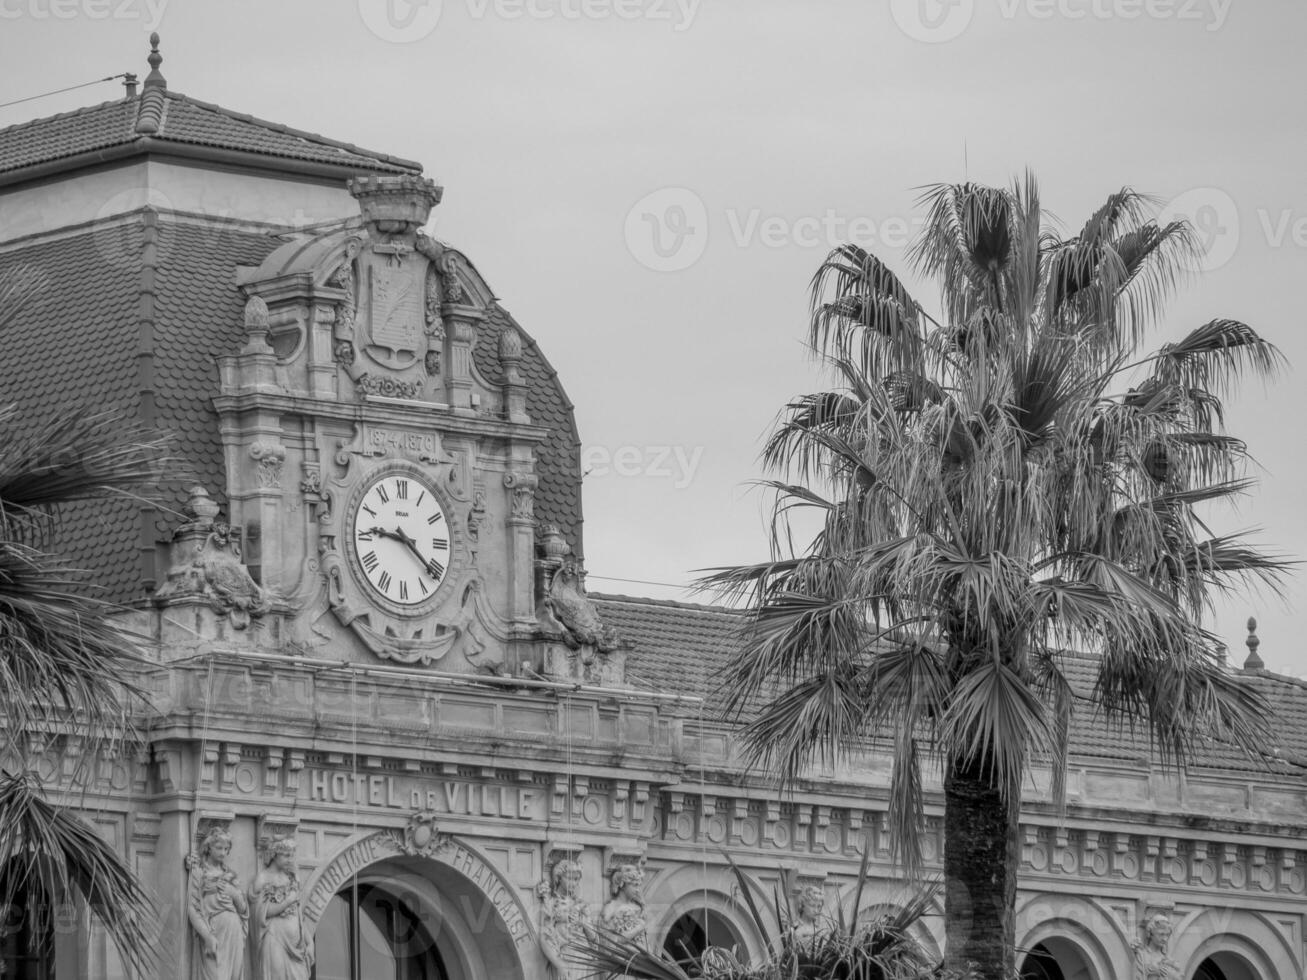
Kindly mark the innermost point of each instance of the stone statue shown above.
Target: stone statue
(574, 610)
(217, 910)
(563, 916)
(1151, 961)
(282, 950)
(807, 923)
(623, 914)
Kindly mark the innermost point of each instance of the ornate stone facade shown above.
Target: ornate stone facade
(494, 755)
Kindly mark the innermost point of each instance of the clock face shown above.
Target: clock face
(401, 538)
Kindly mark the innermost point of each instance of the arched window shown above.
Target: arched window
(1041, 964)
(1208, 970)
(368, 933)
(695, 931)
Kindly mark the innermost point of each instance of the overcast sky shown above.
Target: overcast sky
(649, 184)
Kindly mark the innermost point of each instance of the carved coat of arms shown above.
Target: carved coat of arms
(395, 304)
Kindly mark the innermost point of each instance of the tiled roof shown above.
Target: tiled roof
(164, 116)
(558, 460)
(73, 346)
(198, 317)
(679, 648)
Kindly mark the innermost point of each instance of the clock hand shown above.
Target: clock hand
(412, 545)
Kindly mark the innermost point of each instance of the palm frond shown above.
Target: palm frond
(45, 849)
(64, 661)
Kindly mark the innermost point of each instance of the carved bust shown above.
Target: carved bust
(807, 922)
(1151, 959)
(623, 915)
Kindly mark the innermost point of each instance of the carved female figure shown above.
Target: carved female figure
(1151, 961)
(282, 950)
(623, 914)
(562, 916)
(217, 911)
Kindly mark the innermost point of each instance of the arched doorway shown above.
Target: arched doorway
(1041, 964)
(1225, 966)
(1056, 958)
(696, 930)
(443, 913)
(369, 931)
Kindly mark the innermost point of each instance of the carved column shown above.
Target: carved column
(521, 487)
(510, 358)
(462, 333)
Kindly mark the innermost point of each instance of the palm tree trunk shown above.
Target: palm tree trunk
(981, 856)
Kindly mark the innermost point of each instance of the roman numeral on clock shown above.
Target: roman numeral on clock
(440, 544)
(403, 590)
(370, 560)
(381, 492)
(435, 568)
(435, 518)
(384, 582)
(401, 489)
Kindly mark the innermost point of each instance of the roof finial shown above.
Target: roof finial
(154, 79)
(1253, 662)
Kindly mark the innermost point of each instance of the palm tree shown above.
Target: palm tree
(993, 487)
(66, 667)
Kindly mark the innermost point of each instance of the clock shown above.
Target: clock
(401, 538)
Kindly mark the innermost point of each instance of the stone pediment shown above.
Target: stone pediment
(373, 308)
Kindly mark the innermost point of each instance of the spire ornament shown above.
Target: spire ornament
(1254, 662)
(155, 79)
